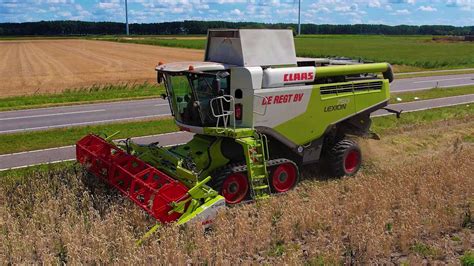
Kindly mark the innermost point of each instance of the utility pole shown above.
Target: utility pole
(299, 17)
(126, 18)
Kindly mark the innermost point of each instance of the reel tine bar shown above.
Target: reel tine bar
(148, 187)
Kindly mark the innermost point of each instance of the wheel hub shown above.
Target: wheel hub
(233, 188)
(283, 176)
(352, 161)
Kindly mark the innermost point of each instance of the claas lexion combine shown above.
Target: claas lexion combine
(258, 113)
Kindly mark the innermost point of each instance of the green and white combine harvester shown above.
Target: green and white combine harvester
(258, 113)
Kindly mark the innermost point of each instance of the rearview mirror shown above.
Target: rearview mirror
(159, 77)
(223, 74)
(216, 85)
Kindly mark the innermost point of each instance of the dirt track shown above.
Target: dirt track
(41, 66)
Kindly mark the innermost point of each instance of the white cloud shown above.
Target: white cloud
(270, 11)
(236, 12)
(466, 5)
(59, 1)
(374, 3)
(401, 12)
(66, 14)
(109, 4)
(427, 8)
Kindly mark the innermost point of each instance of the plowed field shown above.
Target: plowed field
(41, 66)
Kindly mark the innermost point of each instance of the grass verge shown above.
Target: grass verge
(432, 74)
(93, 94)
(385, 123)
(431, 94)
(35, 140)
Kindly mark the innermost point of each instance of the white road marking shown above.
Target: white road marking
(36, 164)
(81, 104)
(36, 151)
(436, 71)
(82, 123)
(437, 80)
(437, 99)
(429, 88)
(56, 114)
(71, 146)
(423, 109)
(59, 161)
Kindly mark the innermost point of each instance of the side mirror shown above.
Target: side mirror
(164, 96)
(216, 85)
(159, 77)
(223, 74)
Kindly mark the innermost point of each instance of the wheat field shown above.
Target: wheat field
(411, 203)
(44, 66)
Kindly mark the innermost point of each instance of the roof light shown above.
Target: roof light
(191, 68)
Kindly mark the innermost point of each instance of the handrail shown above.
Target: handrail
(226, 114)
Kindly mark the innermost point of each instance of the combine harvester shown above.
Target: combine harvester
(257, 112)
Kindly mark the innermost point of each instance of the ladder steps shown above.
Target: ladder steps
(256, 166)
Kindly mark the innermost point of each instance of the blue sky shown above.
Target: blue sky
(391, 12)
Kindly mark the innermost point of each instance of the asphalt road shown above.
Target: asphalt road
(423, 83)
(67, 153)
(79, 115)
(56, 117)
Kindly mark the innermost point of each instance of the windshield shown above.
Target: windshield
(190, 97)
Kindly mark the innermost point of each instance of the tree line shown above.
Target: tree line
(65, 28)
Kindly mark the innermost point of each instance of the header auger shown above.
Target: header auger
(257, 112)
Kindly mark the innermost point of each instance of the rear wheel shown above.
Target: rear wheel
(345, 158)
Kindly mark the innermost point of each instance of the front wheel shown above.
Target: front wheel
(232, 183)
(283, 177)
(345, 158)
(235, 188)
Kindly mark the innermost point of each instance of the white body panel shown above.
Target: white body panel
(197, 66)
(279, 77)
(247, 80)
(207, 216)
(244, 47)
(276, 106)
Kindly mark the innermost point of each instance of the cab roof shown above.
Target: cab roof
(196, 66)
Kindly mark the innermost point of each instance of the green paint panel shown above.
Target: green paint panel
(331, 103)
(196, 150)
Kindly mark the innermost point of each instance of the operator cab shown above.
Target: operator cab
(192, 88)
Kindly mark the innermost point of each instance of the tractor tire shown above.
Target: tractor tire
(344, 158)
(232, 183)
